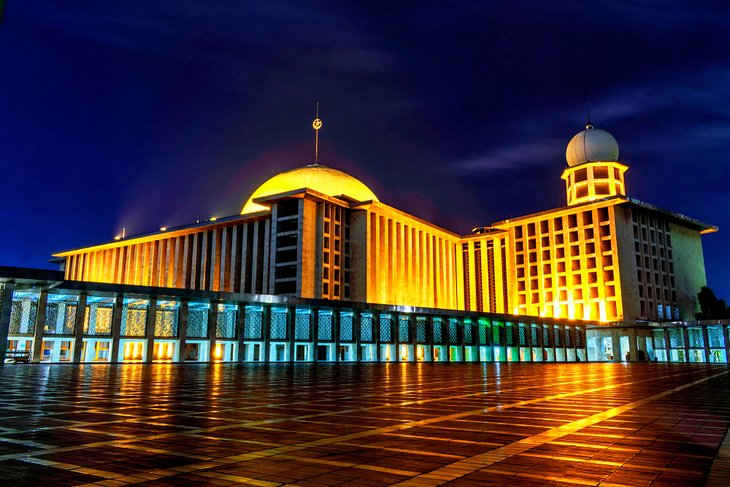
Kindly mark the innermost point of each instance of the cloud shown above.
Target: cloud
(690, 109)
(512, 157)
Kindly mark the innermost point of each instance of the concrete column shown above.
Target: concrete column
(266, 331)
(291, 317)
(182, 329)
(116, 330)
(356, 334)
(725, 336)
(240, 328)
(212, 330)
(336, 332)
(79, 328)
(40, 322)
(6, 306)
(314, 332)
(150, 330)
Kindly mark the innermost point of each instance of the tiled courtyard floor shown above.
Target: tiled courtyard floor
(368, 425)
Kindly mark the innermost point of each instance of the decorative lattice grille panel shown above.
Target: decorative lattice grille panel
(453, 331)
(404, 332)
(226, 323)
(545, 336)
(278, 324)
(98, 319)
(497, 335)
(483, 333)
(557, 336)
(197, 322)
(166, 322)
(468, 334)
(366, 328)
(509, 335)
(522, 335)
(438, 335)
(386, 334)
(659, 339)
(421, 324)
(301, 325)
(714, 335)
(252, 323)
(696, 340)
(324, 328)
(23, 313)
(676, 338)
(534, 337)
(60, 317)
(346, 327)
(134, 319)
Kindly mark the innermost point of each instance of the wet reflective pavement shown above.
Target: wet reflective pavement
(365, 424)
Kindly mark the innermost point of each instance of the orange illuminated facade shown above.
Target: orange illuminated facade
(316, 232)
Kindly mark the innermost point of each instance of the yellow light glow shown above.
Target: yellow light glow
(162, 229)
(212, 218)
(218, 353)
(420, 352)
(133, 351)
(404, 352)
(319, 178)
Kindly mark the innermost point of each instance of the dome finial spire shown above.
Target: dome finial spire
(317, 124)
(589, 125)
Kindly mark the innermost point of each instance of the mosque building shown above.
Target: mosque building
(317, 268)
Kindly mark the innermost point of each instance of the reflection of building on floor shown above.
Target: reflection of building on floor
(316, 268)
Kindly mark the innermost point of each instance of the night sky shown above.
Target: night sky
(142, 114)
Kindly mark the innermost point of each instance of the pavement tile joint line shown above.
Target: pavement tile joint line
(579, 424)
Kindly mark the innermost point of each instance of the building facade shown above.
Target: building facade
(322, 240)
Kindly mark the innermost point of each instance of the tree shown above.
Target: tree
(711, 308)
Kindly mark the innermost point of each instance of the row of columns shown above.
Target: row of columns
(149, 337)
(725, 330)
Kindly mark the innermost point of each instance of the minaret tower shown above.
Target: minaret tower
(593, 170)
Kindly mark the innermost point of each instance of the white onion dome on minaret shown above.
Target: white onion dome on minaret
(591, 145)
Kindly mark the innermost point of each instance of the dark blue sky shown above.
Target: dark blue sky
(152, 113)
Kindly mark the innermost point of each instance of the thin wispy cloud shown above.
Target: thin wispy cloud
(701, 94)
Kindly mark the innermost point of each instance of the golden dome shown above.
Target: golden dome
(319, 178)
